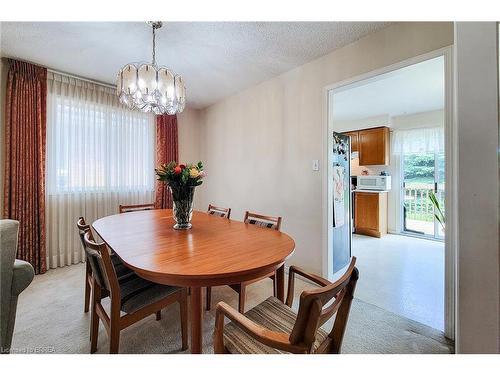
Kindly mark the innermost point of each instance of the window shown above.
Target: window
(99, 155)
(95, 148)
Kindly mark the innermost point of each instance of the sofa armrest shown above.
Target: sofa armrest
(22, 276)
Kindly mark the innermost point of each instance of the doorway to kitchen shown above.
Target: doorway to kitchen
(399, 122)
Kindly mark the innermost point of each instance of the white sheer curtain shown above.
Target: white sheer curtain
(418, 140)
(99, 155)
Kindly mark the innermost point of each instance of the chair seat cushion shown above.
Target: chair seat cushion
(137, 293)
(272, 314)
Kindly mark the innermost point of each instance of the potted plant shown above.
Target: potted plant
(181, 180)
(438, 212)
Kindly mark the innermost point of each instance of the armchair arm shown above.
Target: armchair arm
(291, 281)
(277, 340)
(22, 276)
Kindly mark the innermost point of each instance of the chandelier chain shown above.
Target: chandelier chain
(154, 45)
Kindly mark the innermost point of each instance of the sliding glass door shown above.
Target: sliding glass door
(423, 175)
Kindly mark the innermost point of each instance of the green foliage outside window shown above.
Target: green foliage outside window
(419, 168)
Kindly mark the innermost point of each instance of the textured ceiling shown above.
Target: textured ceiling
(412, 89)
(216, 59)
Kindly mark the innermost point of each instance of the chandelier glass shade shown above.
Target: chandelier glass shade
(151, 88)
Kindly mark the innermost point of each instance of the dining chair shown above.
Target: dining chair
(272, 327)
(136, 207)
(270, 222)
(224, 213)
(121, 270)
(219, 211)
(134, 296)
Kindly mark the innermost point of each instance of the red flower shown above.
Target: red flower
(177, 169)
(182, 166)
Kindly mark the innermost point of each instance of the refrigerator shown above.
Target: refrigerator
(341, 185)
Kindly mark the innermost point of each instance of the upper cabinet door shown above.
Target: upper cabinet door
(374, 146)
(354, 141)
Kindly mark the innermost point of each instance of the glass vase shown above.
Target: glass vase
(182, 197)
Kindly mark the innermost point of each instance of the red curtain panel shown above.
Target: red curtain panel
(24, 189)
(166, 151)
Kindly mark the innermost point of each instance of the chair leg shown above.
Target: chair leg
(94, 319)
(275, 287)
(158, 315)
(219, 333)
(208, 299)
(95, 332)
(114, 337)
(183, 307)
(87, 303)
(242, 297)
(114, 334)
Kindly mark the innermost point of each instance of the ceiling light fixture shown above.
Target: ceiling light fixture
(149, 87)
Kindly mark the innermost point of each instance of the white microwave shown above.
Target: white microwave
(373, 182)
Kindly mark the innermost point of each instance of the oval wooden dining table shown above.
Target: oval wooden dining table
(215, 251)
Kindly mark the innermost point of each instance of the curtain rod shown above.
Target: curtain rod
(63, 73)
(81, 78)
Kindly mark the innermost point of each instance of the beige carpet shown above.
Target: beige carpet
(50, 319)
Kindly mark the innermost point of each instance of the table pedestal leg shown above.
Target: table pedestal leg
(196, 320)
(280, 283)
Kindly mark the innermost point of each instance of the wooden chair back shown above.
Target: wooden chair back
(219, 211)
(136, 207)
(265, 221)
(102, 266)
(83, 228)
(313, 314)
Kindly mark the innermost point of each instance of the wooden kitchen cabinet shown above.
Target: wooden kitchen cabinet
(373, 146)
(370, 216)
(354, 140)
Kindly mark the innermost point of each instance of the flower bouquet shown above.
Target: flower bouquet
(182, 180)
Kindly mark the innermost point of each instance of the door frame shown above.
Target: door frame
(451, 188)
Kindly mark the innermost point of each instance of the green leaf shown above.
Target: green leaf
(438, 213)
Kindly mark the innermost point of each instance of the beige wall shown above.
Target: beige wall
(188, 124)
(478, 315)
(258, 145)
